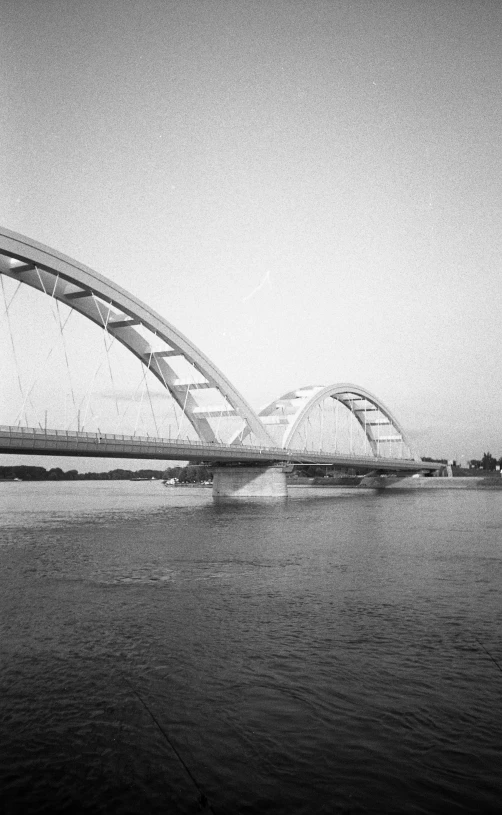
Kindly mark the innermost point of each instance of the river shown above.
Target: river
(336, 653)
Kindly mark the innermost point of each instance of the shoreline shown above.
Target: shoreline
(455, 483)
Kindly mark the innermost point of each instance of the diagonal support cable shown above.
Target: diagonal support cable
(40, 369)
(108, 347)
(183, 412)
(149, 393)
(56, 313)
(7, 306)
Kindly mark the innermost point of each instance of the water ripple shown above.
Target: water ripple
(162, 654)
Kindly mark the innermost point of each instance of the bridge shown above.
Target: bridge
(203, 416)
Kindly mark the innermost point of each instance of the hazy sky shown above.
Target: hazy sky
(310, 191)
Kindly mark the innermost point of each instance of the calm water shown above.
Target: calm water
(160, 654)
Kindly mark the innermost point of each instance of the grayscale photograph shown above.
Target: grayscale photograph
(250, 461)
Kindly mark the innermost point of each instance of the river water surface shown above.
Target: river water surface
(336, 653)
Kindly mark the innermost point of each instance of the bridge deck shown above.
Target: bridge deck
(35, 441)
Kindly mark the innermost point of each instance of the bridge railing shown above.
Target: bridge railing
(91, 436)
(188, 444)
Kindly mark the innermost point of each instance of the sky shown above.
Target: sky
(310, 191)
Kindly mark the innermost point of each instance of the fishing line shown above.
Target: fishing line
(488, 653)
(203, 801)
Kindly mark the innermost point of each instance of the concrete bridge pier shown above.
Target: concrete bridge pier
(237, 483)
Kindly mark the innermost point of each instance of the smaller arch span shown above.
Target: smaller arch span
(285, 417)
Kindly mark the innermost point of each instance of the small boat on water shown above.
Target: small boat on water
(143, 478)
(171, 482)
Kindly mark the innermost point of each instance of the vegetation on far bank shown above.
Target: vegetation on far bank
(24, 472)
(488, 462)
(196, 473)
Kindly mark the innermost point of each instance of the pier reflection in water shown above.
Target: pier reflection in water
(332, 653)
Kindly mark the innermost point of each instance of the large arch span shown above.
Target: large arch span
(160, 347)
(122, 315)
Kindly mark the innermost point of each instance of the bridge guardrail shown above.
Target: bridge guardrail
(152, 441)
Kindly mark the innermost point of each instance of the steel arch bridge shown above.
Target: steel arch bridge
(293, 410)
(204, 396)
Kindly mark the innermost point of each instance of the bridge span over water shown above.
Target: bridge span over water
(205, 418)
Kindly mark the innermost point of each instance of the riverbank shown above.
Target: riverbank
(413, 483)
(459, 483)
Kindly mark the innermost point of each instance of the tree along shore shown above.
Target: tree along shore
(196, 473)
(24, 472)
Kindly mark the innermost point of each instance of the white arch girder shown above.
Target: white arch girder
(293, 408)
(117, 312)
(345, 393)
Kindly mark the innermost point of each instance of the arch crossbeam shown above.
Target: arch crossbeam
(123, 316)
(287, 416)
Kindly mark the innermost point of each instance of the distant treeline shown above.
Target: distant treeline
(192, 473)
(487, 462)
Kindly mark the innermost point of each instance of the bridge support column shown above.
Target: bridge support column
(236, 483)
